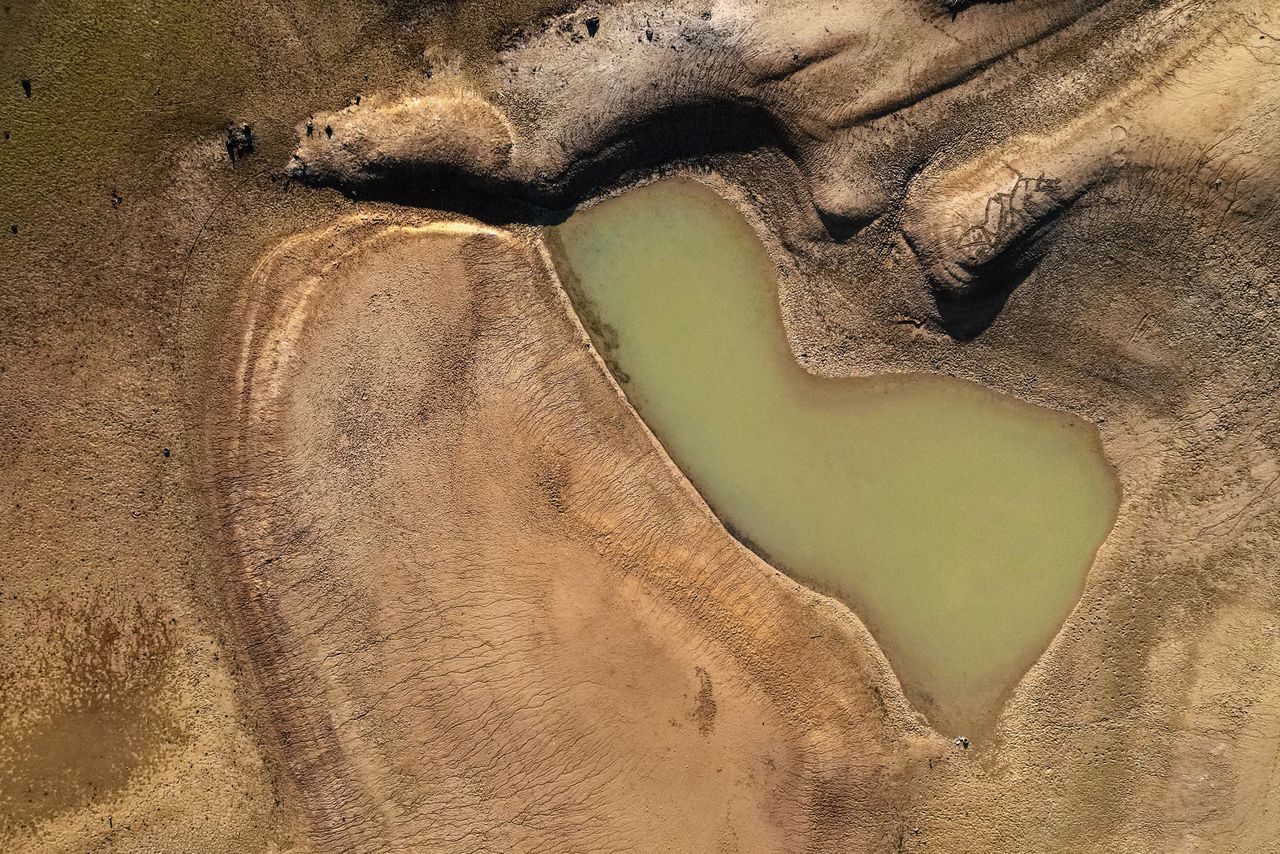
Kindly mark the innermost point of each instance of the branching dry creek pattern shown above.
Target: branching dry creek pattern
(708, 426)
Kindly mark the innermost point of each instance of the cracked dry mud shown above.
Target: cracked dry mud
(326, 528)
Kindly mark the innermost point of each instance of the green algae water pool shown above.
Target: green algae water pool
(958, 523)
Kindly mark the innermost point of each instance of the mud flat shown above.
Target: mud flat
(430, 584)
(426, 389)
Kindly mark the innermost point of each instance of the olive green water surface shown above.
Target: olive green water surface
(958, 523)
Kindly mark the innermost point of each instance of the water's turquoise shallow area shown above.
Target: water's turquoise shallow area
(958, 523)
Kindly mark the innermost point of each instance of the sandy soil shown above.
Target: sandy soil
(324, 528)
